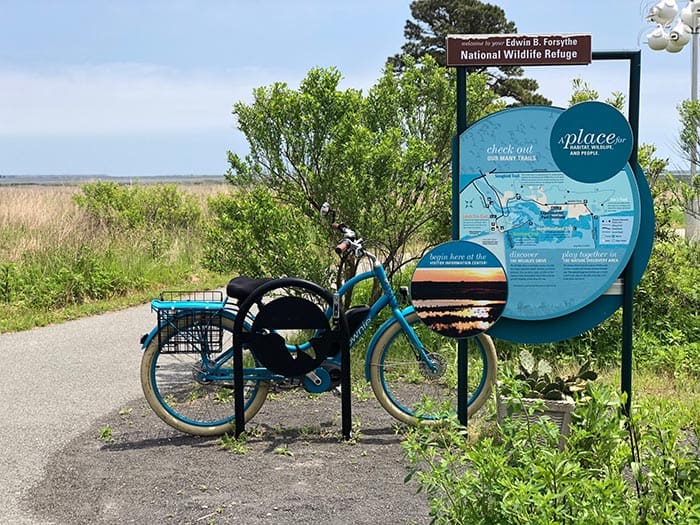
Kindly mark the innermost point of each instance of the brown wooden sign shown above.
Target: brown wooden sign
(518, 50)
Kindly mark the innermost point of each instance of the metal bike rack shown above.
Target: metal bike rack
(291, 313)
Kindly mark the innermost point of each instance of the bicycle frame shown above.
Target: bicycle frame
(388, 298)
(212, 370)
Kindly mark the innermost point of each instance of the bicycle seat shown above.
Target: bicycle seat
(241, 287)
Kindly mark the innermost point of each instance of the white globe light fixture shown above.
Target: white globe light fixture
(680, 34)
(674, 30)
(658, 38)
(663, 12)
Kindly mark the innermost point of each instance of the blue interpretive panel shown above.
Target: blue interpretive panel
(563, 230)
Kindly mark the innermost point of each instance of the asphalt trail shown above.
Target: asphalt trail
(54, 382)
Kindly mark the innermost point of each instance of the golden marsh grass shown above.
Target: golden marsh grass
(36, 217)
(35, 207)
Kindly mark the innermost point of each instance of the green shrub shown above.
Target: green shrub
(139, 206)
(518, 474)
(669, 296)
(254, 234)
(665, 466)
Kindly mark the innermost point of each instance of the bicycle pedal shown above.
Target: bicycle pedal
(283, 385)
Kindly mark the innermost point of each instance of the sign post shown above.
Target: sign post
(557, 195)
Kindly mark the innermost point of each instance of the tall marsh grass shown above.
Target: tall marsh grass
(65, 250)
(34, 217)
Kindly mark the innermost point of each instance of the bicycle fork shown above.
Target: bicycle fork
(416, 344)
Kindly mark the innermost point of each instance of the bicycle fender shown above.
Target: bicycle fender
(147, 338)
(380, 331)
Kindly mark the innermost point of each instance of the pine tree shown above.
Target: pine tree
(433, 20)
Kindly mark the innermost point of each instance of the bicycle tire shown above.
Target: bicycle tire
(182, 401)
(411, 393)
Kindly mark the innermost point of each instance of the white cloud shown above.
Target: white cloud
(121, 98)
(136, 99)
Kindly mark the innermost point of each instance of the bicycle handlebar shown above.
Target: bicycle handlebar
(350, 240)
(344, 245)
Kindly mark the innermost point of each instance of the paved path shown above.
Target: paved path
(53, 382)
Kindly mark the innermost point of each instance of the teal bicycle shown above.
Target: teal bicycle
(187, 365)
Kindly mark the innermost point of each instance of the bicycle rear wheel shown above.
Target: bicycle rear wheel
(184, 384)
(411, 392)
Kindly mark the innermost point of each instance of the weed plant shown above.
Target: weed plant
(641, 470)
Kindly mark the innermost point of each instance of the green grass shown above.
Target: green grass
(60, 261)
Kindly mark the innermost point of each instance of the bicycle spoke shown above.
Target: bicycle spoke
(410, 389)
(192, 389)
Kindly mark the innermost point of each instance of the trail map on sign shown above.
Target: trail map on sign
(546, 210)
(562, 242)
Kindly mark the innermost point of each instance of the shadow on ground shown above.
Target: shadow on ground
(129, 467)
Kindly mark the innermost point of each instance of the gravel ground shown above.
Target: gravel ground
(63, 385)
(293, 468)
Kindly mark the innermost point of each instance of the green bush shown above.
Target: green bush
(666, 463)
(518, 474)
(666, 313)
(254, 234)
(159, 206)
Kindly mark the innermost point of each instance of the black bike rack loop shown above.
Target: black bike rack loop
(276, 315)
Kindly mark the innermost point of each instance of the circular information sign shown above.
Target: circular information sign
(561, 240)
(591, 141)
(459, 289)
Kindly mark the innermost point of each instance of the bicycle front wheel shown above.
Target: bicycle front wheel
(411, 391)
(188, 382)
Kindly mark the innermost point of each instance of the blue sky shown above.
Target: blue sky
(146, 87)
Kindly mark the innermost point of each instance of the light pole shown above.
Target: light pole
(673, 32)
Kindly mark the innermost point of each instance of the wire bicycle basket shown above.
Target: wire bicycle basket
(192, 321)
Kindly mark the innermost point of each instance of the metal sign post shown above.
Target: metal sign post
(470, 51)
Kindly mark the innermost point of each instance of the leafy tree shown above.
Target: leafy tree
(582, 92)
(689, 194)
(689, 111)
(381, 159)
(435, 19)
